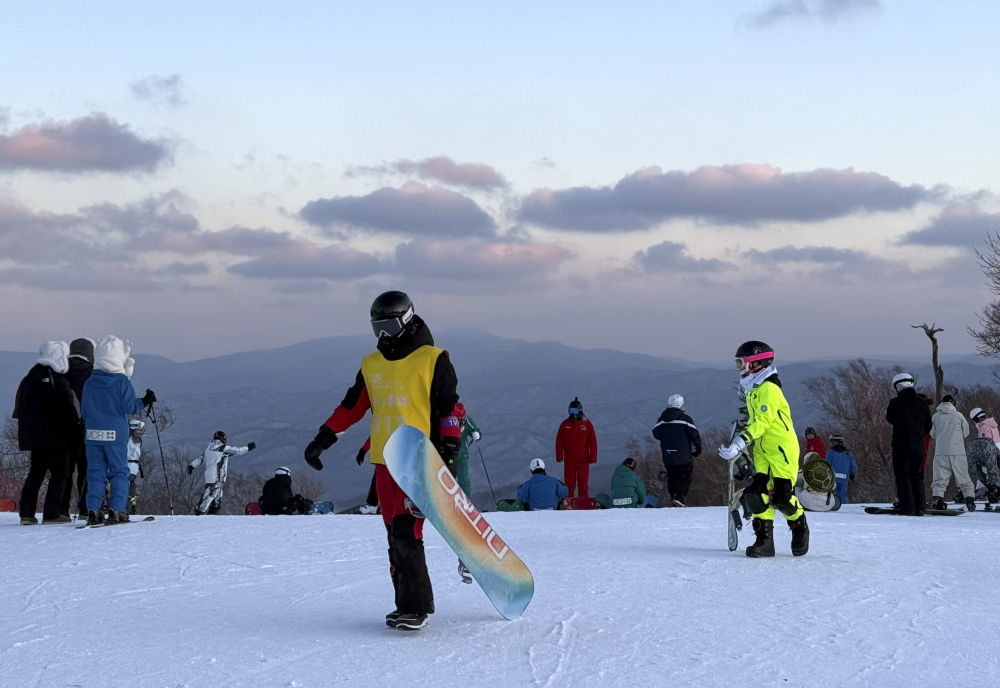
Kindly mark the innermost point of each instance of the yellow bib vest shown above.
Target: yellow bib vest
(400, 393)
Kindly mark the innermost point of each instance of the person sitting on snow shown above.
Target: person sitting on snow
(627, 488)
(216, 458)
(541, 491)
(277, 497)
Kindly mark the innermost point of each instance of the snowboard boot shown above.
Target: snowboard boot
(970, 504)
(29, 521)
(959, 498)
(115, 517)
(763, 546)
(61, 518)
(392, 617)
(800, 535)
(410, 621)
(938, 503)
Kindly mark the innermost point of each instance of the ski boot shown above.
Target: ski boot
(938, 504)
(970, 504)
(800, 535)
(763, 546)
(464, 572)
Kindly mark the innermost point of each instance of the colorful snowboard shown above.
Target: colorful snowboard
(418, 469)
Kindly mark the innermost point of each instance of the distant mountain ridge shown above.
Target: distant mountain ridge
(517, 391)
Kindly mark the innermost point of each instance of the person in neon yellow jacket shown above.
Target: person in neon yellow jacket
(775, 451)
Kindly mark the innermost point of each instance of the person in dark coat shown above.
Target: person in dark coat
(910, 418)
(277, 497)
(680, 444)
(48, 415)
(81, 365)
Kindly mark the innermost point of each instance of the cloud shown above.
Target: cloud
(163, 90)
(413, 209)
(87, 144)
(955, 226)
(441, 169)
(673, 257)
(829, 11)
(743, 194)
(810, 254)
(478, 260)
(303, 260)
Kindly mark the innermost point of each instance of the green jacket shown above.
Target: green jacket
(627, 488)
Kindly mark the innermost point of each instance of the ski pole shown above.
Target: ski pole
(166, 481)
(488, 481)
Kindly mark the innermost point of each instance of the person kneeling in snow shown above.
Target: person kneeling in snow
(541, 492)
(216, 458)
(627, 488)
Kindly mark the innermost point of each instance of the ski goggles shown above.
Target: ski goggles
(743, 363)
(392, 327)
(575, 411)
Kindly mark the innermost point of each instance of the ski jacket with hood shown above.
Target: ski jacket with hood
(627, 485)
(576, 441)
(769, 425)
(542, 492)
(988, 428)
(108, 395)
(680, 441)
(949, 430)
(910, 418)
(409, 381)
(816, 445)
(47, 410)
(216, 458)
(843, 463)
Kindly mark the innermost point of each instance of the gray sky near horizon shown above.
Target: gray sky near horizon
(670, 178)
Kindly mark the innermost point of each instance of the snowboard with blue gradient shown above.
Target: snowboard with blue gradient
(417, 468)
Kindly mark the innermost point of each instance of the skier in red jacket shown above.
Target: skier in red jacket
(576, 448)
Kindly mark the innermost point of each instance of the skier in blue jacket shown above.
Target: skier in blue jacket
(845, 468)
(108, 400)
(541, 491)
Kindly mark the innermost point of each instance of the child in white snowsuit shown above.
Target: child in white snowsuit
(216, 458)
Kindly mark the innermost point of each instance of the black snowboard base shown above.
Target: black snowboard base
(103, 525)
(928, 512)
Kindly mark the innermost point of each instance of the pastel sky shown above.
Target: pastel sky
(663, 177)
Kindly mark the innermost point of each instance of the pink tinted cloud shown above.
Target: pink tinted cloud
(86, 144)
(441, 168)
(476, 259)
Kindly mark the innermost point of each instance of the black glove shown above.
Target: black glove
(449, 450)
(190, 470)
(360, 458)
(148, 398)
(324, 439)
(251, 446)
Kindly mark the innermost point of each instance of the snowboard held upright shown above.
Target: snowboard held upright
(417, 468)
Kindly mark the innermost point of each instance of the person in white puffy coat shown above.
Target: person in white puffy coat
(216, 459)
(949, 430)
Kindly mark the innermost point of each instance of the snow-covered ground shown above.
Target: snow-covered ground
(623, 598)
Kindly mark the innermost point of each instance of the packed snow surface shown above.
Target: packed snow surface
(622, 598)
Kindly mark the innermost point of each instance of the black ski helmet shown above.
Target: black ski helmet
(391, 311)
(219, 435)
(753, 352)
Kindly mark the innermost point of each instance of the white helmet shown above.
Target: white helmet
(282, 470)
(535, 464)
(975, 413)
(675, 401)
(136, 425)
(902, 381)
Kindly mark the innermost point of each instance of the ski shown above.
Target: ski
(929, 512)
(105, 524)
(418, 469)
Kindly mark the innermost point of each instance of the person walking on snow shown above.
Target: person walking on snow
(680, 444)
(407, 380)
(949, 430)
(541, 492)
(814, 443)
(135, 428)
(108, 400)
(845, 468)
(576, 449)
(48, 417)
(216, 458)
(775, 451)
(910, 417)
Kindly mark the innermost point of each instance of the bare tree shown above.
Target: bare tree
(931, 332)
(987, 336)
(14, 463)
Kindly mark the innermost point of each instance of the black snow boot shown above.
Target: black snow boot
(94, 518)
(800, 535)
(938, 503)
(763, 546)
(412, 582)
(970, 504)
(959, 498)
